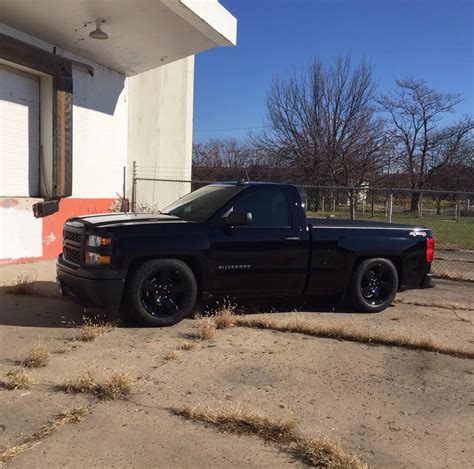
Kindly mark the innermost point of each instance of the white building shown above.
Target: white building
(76, 110)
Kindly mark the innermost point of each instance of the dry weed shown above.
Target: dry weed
(235, 420)
(22, 285)
(38, 356)
(118, 385)
(84, 383)
(71, 416)
(341, 332)
(225, 316)
(93, 328)
(320, 453)
(16, 379)
(188, 345)
(171, 355)
(435, 304)
(325, 453)
(205, 329)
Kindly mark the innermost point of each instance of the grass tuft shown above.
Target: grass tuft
(118, 385)
(37, 357)
(187, 345)
(325, 453)
(435, 304)
(22, 285)
(340, 332)
(171, 355)
(74, 415)
(93, 328)
(315, 452)
(84, 383)
(16, 379)
(205, 329)
(225, 317)
(235, 420)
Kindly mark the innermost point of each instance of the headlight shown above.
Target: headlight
(97, 241)
(96, 259)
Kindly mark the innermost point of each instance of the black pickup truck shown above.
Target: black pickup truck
(236, 239)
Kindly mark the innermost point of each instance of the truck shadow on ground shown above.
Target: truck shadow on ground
(317, 304)
(38, 309)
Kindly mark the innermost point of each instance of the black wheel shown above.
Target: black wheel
(373, 285)
(162, 292)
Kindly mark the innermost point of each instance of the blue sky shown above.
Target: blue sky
(430, 39)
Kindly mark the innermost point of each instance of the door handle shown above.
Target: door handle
(291, 238)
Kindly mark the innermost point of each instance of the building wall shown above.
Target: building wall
(100, 139)
(160, 128)
(116, 120)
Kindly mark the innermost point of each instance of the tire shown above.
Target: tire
(373, 285)
(162, 292)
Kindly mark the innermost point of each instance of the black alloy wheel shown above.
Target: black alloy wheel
(377, 284)
(163, 292)
(374, 285)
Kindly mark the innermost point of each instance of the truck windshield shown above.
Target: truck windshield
(201, 204)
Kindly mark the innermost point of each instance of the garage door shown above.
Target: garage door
(19, 133)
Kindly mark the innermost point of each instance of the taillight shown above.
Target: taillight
(430, 245)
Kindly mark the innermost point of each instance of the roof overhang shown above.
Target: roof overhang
(143, 34)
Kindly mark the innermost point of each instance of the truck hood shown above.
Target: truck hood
(113, 219)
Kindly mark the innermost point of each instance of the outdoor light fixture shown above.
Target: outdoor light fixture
(98, 33)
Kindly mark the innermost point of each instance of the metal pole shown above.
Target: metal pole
(390, 207)
(372, 204)
(134, 187)
(124, 188)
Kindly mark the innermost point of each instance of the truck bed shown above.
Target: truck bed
(344, 223)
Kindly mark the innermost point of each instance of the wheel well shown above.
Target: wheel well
(397, 262)
(190, 261)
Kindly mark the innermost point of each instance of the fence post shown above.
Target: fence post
(351, 204)
(372, 204)
(390, 207)
(134, 187)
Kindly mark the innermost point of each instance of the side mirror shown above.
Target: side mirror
(238, 219)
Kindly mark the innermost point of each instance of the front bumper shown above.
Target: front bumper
(103, 293)
(427, 281)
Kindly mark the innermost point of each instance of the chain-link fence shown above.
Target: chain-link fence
(450, 215)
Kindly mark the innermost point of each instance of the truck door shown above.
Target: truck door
(266, 256)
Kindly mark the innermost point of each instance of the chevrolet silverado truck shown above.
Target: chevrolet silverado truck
(236, 239)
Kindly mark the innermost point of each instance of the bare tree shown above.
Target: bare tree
(219, 159)
(323, 124)
(422, 144)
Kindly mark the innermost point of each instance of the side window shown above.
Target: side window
(269, 208)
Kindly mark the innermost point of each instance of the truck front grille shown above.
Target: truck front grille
(72, 244)
(72, 255)
(72, 236)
